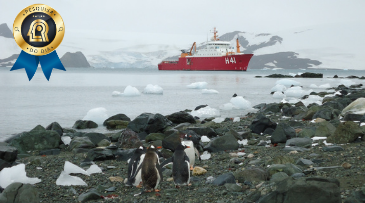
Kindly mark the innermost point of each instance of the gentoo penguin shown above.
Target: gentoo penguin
(180, 166)
(150, 171)
(190, 152)
(136, 160)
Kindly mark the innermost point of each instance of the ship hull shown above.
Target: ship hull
(219, 63)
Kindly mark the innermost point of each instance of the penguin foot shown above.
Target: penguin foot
(177, 186)
(189, 184)
(139, 185)
(157, 190)
(191, 168)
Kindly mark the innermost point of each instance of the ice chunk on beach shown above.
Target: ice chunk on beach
(287, 82)
(66, 180)
(240, 103)
(66, 140)
(15, 174)
(206, 112)
(98, 115)
(296, 92)
(346, 82)
(130, 91)
(72, 168)
(209, 91)
(205, 156)
(94, 169)
(312, 99)
(116, 93)
(236, 119)
(243, 142)
(324, 86)
(227, 106)
(197, 85)
(205, 139)
(355, 107)
(278, 88)
(278, 95)
(153, 89)
(219, 120)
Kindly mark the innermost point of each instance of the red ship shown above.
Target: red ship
(217, 55)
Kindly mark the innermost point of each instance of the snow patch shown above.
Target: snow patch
(297, 92)
(98, 115)
(278, 95)
(242, 142)
(67, 180)
(94, 169)
(236, 119)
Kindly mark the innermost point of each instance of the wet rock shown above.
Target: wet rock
(282, 133)
(346, 132)
(92, 194)
(171, 142)
(308, 115)
(56, 127)
(272, 107)
(116, 124)
(353, 117)
(260, 124)
(277, 177)
(4, 164)
(95, 138)
(84, 124)
(181, 117)
(346, 165)
(252, 174)
(304, 190)
(307, 132)
(100, 154)
(37, 139)
(226, 142)
(150, 123)
(295, 149)
(324, 129)
(18, 192)
(234, 134)
(8, 153)
(154, 137)
(289, 169)
(129, 139)
(356, 196)
(253, 196)
(325, 113)
(299, 142)
(200, 106)
(223, 179)
(117, 117)
(233, 187)
(304, 162)
(332, 148)
(81, 142)
(282, 160)
(103, 143)
(123, 155)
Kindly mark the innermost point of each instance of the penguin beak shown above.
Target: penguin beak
(187, 146)
(190, 136)
(159, 147)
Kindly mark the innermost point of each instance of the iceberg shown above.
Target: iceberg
(209, 91)
(153, 89)
(130, 91)
(98, 115)
(197, 85)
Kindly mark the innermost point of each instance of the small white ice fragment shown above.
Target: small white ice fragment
(206, 112)
(205, 139)
(242, 142)
(39, 168)
(240, 103)
(98, 115)
(319, 138)
(278, 88)
(209, 91)
(116, 93)
(15, 174)
(240, 153)
(67, 180)
(153, 89)
(130, 91)
(94, 169)
(236, 119)
(72, 168)
(287, 82)
(218, 120)
(197, 85)
(66, 139)
(205, 156)
(278, 95)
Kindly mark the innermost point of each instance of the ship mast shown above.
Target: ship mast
(215, 34)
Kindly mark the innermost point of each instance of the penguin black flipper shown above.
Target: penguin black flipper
(197, 153)
(160, 172)
(135, 174)
(167, 161)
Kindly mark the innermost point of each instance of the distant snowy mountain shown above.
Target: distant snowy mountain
(337, 46)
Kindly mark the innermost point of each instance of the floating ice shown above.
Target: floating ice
(205, 156)
(209, 91)
(324, 86)
(242, 142)
(227, 106)
(205, 139)
(153, 89)
(15, 174)
(287, 82)
(66, 180)
(219, 120)
(278, 95)
(130, 91)
(346, 82)
(116, 93)
(292, 74)
(66, 140)
(236, 119)
(94, 169)
(72, 168)
(197, 85)
(98, 115)
(206, 112)
(319, 138)
(296, 92)
(312, 99)
(278, 87)
(313, 86)
(240, 103)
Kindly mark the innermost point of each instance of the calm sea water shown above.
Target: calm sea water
(69, 95)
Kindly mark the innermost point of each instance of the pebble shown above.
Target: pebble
(250, 156)
(197, 171)
(346, 165)
(116, 179)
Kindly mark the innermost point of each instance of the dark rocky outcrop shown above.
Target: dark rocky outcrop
(261, 123)
(84, 124)
(282, 133)
(19, 192)
(149, 123)
(226, 142)
(117, 117)
(181, 117)
(56, 127)
(74, 60)
(129, 139)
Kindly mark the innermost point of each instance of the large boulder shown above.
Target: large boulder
(305, 190)
(356, 107)
(95, 138)
(308, 115)
(172, 141)
(282, 133)
(37, 139)
(181, 117)
(19, 192)
(299, 142)
(226, 142)
(56, 127)
(100, 154)
(272, 107)
(8, 153)
(129, 139)
(84, 124)
(116, 124)
(117, 117)
(325, 113)
(324, 129)
(81, 142)
(346, 132)
(204, 131)
(149, 123)
(224, 178)
(261, 123)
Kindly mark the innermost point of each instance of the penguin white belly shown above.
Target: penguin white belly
(190, 152)
(138, 178)
(158, 178)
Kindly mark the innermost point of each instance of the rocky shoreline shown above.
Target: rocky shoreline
(282, 153)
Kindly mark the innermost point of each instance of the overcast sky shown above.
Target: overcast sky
(192, 17)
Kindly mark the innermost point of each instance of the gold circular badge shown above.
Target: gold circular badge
(38, 29)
